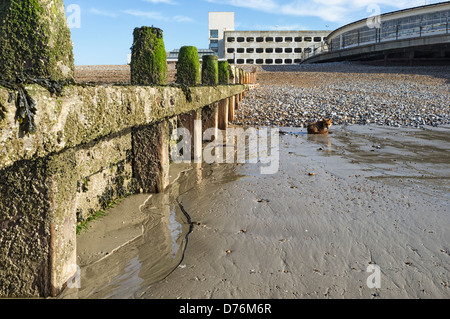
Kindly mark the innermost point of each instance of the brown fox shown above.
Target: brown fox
(320, 127)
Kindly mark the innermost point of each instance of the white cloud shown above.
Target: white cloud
(338, 11)
(158, 16)
(146, 14)
(182, 19)
(103, 13)
(171, 2)
(261, 5)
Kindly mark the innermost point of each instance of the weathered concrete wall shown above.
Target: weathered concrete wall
(84, 114)
(92, 146)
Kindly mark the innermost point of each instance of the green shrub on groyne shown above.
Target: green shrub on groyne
(35, 40)
(224, 72)
(210, 70)
(188, 66)
(148, 57)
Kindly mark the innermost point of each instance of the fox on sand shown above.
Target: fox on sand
(320, 127)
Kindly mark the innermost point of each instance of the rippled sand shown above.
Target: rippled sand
(362, 196)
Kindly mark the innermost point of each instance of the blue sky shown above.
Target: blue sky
(102, 29)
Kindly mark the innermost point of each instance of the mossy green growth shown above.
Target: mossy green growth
(35, 40)
(210, 70)
(224, 72)
(148, 57)
(2, 112)
(188, 66)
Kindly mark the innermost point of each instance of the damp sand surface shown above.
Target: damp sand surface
(361, 196)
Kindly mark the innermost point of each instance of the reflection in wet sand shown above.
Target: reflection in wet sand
(130, 270)
(324, 140)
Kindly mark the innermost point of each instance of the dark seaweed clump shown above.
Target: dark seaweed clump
(25, 105)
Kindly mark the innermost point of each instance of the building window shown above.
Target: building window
(279, 61)
(240, 50)
(241, 39)
(269, 39)
(308, 39)
(250, 39)
(231, 39)
(230, 50)
(259, 39)
(250, 61)
(231, 61)
(214, 34)
(269, 61)
(288, 39)
(298, 50)
(269, 50)
(298, 61)
(250, 50)
(240, 61)
(214, 44)
(298, 39)
(288, 61)
(288, 50)
(259, 61)
(259, 50)
(279, 39)
(317, 39)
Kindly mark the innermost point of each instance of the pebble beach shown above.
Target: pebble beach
(293, 96)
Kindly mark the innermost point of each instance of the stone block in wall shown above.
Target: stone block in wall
(104, 173)
(37, 226)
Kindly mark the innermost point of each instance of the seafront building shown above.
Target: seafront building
(258, 47)
(219, 23)
(270, 47)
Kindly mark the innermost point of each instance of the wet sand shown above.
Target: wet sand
(378, 196)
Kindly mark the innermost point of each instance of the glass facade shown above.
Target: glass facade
(214, 34)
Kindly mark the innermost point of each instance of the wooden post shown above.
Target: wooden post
(35, 40)
(231, 109)
(192, 122)
(148, 59)
(151, 157)
(223, 114)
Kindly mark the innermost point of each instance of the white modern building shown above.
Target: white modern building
(258, 47)
(270, 47)
(219, 23)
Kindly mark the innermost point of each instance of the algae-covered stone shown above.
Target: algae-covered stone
(224, 72)
(148, 57)
(35, 40)
(188, 66)
(210, 70)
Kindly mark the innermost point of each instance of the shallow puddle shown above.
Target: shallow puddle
(416, 158)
